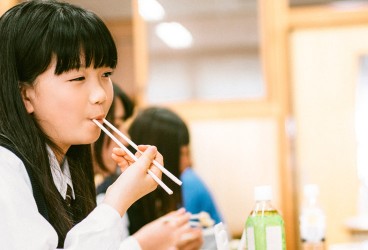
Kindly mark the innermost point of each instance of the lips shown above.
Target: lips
(99, 118)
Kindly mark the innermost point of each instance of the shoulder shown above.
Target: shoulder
(10, 162)
(191, 179)
(6, 155)
(12, 168)
(189, 174)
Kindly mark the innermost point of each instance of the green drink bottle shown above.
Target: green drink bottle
(264, 226)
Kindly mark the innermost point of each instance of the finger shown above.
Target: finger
(123, 166)
(119, 152)
(141, 148)
(179, 211)
(192, 236)
(183, 219)
(180, 221)
(173, 213)
(154, 168)
(147, 157)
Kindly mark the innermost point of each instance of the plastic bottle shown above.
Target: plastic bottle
(265, 228)
(312, 220)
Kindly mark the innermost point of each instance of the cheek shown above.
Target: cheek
(109, 98)
(70, 108)
(55, 108)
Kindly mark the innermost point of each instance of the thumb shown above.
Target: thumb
(148, 156)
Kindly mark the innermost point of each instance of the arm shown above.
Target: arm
(170, 231)
(22, 227)
(21, 223)
(131, 185)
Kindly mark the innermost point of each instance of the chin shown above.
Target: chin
(90, 138)
(94, 138)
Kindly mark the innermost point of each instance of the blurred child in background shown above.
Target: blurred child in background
(171, 228)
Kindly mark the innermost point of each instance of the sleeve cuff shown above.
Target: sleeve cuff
(130, 243)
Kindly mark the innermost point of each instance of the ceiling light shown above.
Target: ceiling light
(151, 10)
(174, 34)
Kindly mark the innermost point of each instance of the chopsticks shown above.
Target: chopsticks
(158, 180)
(164, 170)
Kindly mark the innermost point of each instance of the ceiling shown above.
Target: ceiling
(121, 8)
(214, 24)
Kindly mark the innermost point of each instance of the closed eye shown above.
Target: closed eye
(107, 74)
(78, 79)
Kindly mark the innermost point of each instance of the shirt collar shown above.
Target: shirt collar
(60, 174)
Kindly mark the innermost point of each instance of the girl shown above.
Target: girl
(167, 130)
(158, 234)
(55, 67)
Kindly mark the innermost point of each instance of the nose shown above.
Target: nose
(98, 93)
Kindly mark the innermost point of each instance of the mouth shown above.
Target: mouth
(98, 118)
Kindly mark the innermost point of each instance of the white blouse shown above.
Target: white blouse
(23, 227)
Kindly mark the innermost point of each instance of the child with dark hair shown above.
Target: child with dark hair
(158, 234)
(55, 65)
(168, 132)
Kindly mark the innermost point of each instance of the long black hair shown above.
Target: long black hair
(168, 132)
(31, 34)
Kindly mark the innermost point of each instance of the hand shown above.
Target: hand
(134, 182)
(191, 239)
(165, 232)
(122, 159)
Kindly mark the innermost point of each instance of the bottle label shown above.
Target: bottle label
(250, 239)
(243, 241)
(274, 238)
(312, 225)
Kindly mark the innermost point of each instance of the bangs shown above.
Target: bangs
(80, 38)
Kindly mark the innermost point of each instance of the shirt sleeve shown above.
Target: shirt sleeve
(130, 243)
(23, 227)
(124, 220)
(101, 229)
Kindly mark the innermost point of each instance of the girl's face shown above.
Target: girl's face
(64, 105)
(185, 159)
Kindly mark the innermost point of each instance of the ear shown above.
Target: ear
(27, 93)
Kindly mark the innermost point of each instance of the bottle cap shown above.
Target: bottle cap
(263, 193)
(311, 190)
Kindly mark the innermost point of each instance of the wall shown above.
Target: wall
(6, 4)
(325, 73)
(233, 156)
(227, 75)
(122, 33)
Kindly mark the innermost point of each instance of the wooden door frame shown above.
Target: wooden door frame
(278, 21)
